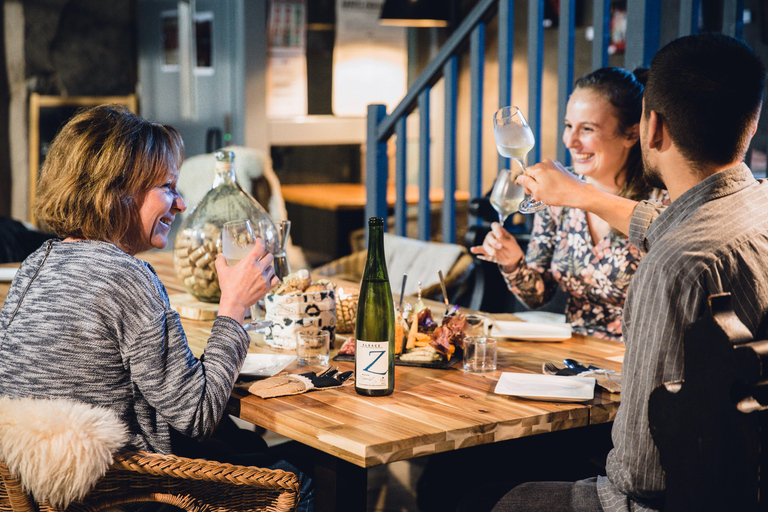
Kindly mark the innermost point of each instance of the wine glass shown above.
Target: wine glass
(237, 240)
(514, 139)
(507, 194)
(282, 267)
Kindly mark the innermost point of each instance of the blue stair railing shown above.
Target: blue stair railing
(642, 42)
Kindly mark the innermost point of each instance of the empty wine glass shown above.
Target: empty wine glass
(237, 240)
(514, 139)
(507, 194)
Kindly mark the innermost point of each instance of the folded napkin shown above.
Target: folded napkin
(294, 384)
(610, 382)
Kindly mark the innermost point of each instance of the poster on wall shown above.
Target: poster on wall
(169, 37)
(287, 58)
(370, 61)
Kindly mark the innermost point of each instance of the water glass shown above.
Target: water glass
(313, 347)
(479, 354)
(477, 325)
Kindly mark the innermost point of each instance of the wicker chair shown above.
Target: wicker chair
(351, 268)
(191, 484)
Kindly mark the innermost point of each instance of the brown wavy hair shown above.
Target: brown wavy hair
(98, 170)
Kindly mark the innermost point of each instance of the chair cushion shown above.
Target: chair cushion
(419, 259)
(58, 448)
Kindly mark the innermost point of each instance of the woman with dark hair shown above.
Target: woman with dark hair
(572, 249)
(86, 320)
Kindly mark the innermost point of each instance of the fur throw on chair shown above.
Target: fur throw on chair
(58, 448)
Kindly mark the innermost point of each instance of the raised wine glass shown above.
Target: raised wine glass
(514, 139)
(507, 194)
(237, 239)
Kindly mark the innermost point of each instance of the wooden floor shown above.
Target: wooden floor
(392, 488)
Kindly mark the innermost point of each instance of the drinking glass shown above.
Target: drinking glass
(282, 267)
(237, 239)
(476, 325)
(313, 347)
(514, 139)
(479, 354)
(507, 194)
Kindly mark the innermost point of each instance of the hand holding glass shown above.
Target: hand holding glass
(514, 139)
(237, 240)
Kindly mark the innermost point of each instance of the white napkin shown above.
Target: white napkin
(6, 273)
(530, 331)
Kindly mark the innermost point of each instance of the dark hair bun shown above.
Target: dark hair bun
(641, 75)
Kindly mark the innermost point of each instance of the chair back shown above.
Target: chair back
(711, 428)
(13, 498)
(58, 455)
(418, 259)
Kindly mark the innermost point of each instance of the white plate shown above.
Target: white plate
(546, 317)
(6, 273)
(555, 388)
(265, 365)
(530, 331)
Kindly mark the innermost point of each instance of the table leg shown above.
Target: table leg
(340, 485)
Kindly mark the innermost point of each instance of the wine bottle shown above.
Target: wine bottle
(375, 327)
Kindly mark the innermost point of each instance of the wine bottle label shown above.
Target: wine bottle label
(371, 364)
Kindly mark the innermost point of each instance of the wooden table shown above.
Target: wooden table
(430, 411)
(323, 215)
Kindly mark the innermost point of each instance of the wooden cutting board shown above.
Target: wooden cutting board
(189, 307)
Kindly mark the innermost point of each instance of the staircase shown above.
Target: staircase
(643, 39)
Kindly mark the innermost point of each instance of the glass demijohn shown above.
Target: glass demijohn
(199, 238)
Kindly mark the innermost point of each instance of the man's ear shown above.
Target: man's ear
(655, 130)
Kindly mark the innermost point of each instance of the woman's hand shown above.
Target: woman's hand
(500, 247)
(244, 284)
(550, 182)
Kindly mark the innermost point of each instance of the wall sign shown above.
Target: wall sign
(287, 59)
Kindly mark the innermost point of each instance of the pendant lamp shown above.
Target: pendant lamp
(415, 13)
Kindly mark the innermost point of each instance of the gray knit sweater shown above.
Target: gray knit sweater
(86, 321)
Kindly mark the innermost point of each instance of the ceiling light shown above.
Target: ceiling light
(415, 13)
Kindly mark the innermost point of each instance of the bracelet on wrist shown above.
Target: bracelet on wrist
(515, 266)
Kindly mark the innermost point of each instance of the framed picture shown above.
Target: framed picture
(47, 114)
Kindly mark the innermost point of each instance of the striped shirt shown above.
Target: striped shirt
(86, 321)
(712, 239)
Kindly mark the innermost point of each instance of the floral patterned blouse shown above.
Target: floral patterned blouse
(595, 276)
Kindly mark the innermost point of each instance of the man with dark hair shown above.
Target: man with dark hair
(701, 108)
(710, 105)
